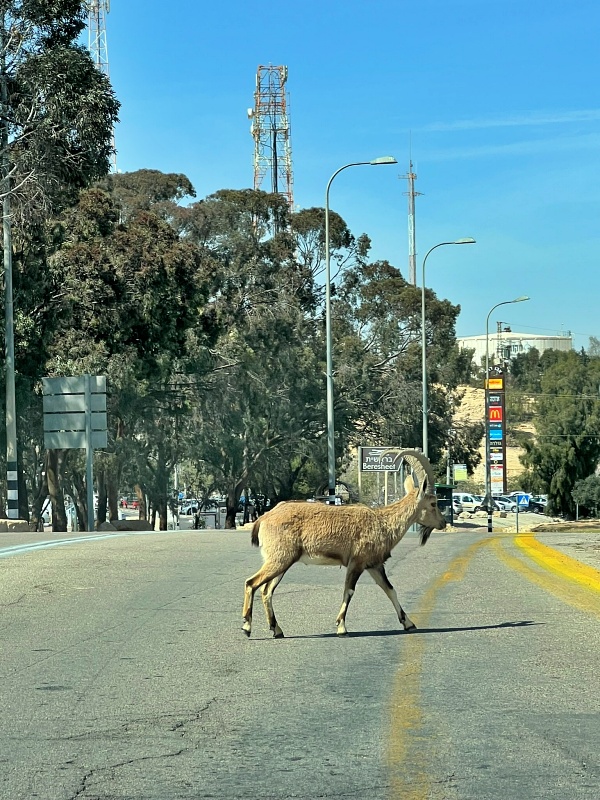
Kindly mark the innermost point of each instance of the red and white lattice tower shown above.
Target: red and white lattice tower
(270, 130)
(97, 11)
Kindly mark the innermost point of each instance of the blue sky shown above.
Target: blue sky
(496, 99)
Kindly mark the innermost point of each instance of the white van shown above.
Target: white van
(468, 502)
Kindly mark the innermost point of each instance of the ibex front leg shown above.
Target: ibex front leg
(353, 573)
(268, 572)
(381, 579)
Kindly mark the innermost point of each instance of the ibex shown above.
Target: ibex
(355, 536)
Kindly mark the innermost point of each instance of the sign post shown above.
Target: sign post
(75, 417)
(496, 431)
(377, 459)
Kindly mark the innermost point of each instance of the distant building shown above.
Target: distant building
(505, 344)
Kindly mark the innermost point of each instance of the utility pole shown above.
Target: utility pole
(12, 477)
(412, 242)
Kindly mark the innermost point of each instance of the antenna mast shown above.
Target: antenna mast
(412, 249)
(97, 11)
(270, 129)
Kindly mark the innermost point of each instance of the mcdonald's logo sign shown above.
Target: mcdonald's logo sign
(496, 414)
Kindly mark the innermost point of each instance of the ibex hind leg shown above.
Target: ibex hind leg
(265, 574)
(267, 590)
(381, 579)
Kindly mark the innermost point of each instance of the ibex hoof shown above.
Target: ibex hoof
(410, 628)
(278, 635)
(246, 629)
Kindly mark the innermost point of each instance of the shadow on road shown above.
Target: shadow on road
(355, 634)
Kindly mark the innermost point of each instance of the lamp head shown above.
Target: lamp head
(520, 299)
(468, 240)
(383, 160)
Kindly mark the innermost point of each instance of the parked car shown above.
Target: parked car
(506, 503)
(456, 506)
(469, 502)
(538, 503)
(190, 508)
(482, 505)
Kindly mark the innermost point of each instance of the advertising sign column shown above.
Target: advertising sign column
(496, 430)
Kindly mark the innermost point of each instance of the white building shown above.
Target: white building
(507, 344)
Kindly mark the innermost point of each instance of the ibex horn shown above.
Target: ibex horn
(420, 464)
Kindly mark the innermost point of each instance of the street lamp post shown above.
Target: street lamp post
(424, 341)
(12, 484)
(328, 336)
(488, 476)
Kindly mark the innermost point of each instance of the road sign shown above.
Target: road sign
(460, 472)
(74, 385)
(56, 403)
(70, 440)
(379, 459)
(75, 417)
(75, 412)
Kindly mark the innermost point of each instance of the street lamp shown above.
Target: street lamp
(423, 341)
(329, 364)
(488, 477)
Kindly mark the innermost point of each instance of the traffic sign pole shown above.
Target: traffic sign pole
(89, 462)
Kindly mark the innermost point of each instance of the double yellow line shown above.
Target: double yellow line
(573, 582)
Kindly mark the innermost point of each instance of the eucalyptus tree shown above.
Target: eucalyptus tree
(566, 448)
(261, 405)
(377, 349)
(125, 297)
(56, 122)
(58, 109)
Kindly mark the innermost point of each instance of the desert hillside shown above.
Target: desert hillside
(473, 410)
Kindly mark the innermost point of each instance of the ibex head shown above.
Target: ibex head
(429, 517)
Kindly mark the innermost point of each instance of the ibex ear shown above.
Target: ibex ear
(409, 484)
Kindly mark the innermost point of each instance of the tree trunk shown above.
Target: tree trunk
(141, 496)
(54, 466)
(22, 486)
(80, 500)
(246, 517)
(112, 478)
(36, 521)
(161, 482)
(233, 500)
(101, 483)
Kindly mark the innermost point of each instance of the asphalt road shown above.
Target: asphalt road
(124, 673)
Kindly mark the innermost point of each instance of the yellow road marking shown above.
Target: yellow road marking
(407, 746)
(559, 563)
(570, 580)
(555, 581)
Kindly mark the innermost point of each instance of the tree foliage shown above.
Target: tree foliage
(567, 444)
(58, 109)
(586, 493)
(208, 321)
